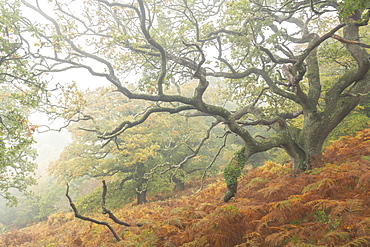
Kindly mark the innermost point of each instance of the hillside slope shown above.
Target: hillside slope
(327, 206)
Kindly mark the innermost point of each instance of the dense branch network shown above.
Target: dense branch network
(170, 46)
(196, 102)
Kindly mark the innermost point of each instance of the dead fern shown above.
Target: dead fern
(199, 242)
(337, 207)
(175, 222)
(279, 238)
(364, 226)
(364, 180)
(252, 239)
(334, 238)
(272, 188)
(324, 183)
(358, 242)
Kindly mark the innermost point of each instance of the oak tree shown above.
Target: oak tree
(268, 53)
(139, 160)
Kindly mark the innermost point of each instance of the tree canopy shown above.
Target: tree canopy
(20, 91)
(142, 155)
(270, 55)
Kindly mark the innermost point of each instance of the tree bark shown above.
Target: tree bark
(231, 190)
(233, 170)
(141, 197)
(179, 184)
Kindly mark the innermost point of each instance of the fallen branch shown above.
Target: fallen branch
(107, 211)
(77, 215)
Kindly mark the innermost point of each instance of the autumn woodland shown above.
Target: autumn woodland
(179, 123)
(326, 206)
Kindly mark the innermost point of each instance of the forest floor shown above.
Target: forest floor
(326, 206)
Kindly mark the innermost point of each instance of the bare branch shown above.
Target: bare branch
(279, 119)
(277, 60)
(212, 162)
(83, 118)
(318, 41)
(178, 166)
(156, 45)
(195, 153)
(107, 211)
(129, 124)
(79, 216)
(346, 41)
(197, 71)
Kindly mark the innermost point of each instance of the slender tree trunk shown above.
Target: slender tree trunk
(141, 197)
(179, 184)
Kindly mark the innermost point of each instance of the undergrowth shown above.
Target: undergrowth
(326, 206)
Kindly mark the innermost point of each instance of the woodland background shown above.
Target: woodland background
(184, 123)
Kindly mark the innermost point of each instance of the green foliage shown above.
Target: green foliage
(327, 182)
(349, 7)
(356, 121)
(40, 201)
(228, 210)
(116, 198)
(322, 217)
(138, 160)
(19, 93)
(234, 168)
